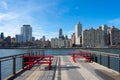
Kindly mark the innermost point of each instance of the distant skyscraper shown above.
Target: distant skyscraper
(66, 37)
(26, 32)
(33, 38)
(60, 34)
(2, 35)
(43, 38)
(73, 39)
(78, 34)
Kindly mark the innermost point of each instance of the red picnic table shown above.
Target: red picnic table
(86, 55)
(31, 60)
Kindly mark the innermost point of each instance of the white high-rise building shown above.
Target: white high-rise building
(26, 32)
(78, 34)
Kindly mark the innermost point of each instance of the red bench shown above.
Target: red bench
(37, 60)
(86, 55)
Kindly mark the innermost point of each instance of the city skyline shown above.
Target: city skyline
(47, 17)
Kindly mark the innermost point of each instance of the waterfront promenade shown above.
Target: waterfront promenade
(63, 68)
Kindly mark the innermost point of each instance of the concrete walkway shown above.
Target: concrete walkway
(65, 69)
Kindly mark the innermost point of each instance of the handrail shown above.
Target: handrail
(12, 59)
(105, 59)
(11, 56)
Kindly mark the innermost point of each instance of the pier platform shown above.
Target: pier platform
(63, 68)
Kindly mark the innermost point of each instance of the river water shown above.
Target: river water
(8, 52)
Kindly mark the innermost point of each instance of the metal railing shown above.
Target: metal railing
(109, 60)
(11, 65)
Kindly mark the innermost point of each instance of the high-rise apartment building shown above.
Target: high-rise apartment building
(95, 38)
(99, 38)
(26, 32)
(88, 38)
(78, 34)
(106, 34)
(85, 40)
(114, 36)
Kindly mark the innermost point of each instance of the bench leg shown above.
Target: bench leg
(50, 63)
(73, 58)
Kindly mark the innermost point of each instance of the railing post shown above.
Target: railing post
(14, 65)
(36, 53)
(50, 62)
(95, 58)
(43, 52)
(100, 59)
(22, 61)
(108, 61)
(29, 54)
(0, 71)
(119, 63)
(39, 52)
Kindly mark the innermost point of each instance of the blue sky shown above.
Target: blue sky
(47, 16)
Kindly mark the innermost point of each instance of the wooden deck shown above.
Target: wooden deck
(64, 69)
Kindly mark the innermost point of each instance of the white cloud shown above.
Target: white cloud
(4, 5)
(10, 29)
(7, 16)
(38, 34)
(115, 22)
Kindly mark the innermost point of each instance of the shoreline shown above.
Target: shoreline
(52, 48)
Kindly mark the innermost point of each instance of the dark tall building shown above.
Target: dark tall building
(2, 35)
(60, 34)
(73, 39)
(8, 40)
